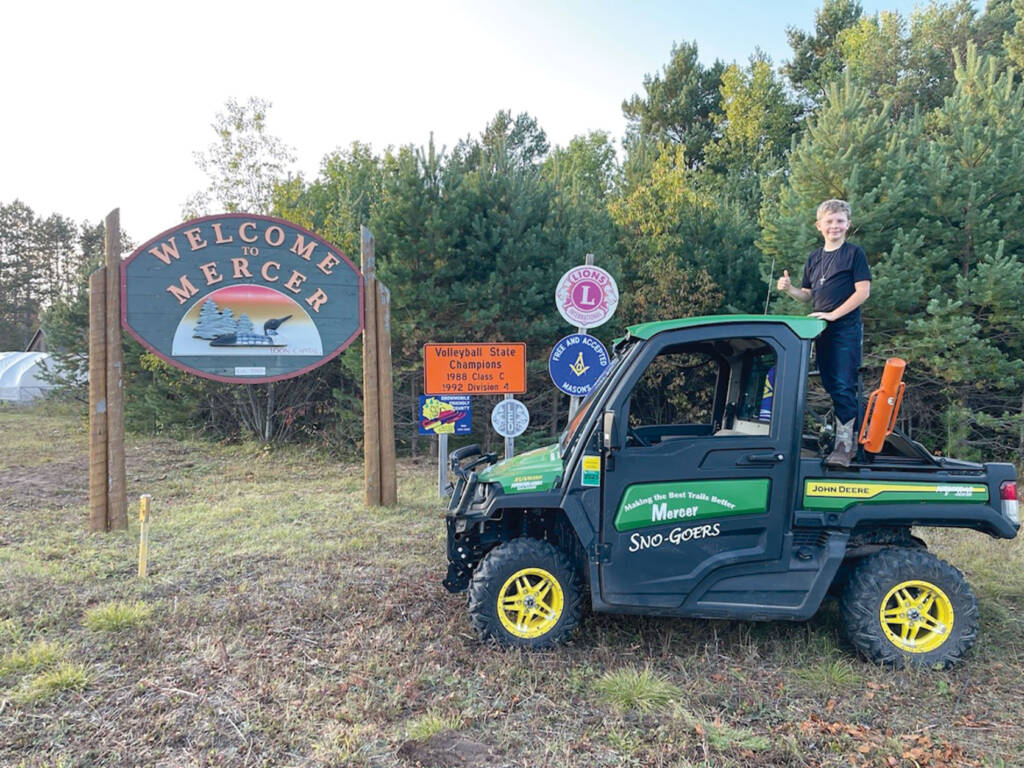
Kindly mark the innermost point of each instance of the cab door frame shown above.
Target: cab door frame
(664, 576)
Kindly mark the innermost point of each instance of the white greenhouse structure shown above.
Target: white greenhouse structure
(21, 379)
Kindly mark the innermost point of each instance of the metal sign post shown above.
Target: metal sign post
(586, 296)
(442, 458)
(510, 441)
(575, 400)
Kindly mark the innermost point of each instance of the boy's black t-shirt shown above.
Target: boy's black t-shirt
(830, 275)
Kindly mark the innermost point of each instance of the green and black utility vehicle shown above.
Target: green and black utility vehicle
(689, 483)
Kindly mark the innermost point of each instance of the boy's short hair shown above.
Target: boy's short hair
(834, 206)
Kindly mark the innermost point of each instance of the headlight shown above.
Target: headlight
(482, 493)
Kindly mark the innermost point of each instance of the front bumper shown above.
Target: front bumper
(464, 547)
(463, 463)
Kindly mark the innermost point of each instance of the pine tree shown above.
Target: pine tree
(244, 326)
(224, 323)
(817, 59)
(936, 204)
(966, 247)
(678, 106)
(19, 305)
(678, 219)
(209, 317)
(66, 319)
(1013, 39)
(583, 176)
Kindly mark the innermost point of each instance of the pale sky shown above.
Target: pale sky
(104, 103)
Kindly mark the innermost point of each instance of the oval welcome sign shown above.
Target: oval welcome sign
(241, 298)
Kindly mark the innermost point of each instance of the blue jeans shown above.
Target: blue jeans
(839, 354)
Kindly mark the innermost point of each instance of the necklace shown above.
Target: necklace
(827, 266)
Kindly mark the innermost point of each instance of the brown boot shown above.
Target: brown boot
(844, 449)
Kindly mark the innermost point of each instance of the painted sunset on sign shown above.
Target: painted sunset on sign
(246, 320)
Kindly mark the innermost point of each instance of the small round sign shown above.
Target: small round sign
(510, 418)
(586, 296)
(576, 362)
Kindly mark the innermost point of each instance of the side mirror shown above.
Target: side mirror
(607, 430)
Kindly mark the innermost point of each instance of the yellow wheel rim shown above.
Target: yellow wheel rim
(530, 602)
(916, 616)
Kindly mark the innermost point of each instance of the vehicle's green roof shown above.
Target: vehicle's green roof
(803, 326)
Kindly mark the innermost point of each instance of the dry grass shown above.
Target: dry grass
(284, 624)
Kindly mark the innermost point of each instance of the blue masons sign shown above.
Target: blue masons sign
(576, 362)
(241, 298)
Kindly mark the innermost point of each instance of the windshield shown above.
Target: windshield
(572, 430)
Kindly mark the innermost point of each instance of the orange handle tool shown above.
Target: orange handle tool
(883, 406)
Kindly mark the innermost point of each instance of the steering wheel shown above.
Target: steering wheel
(632, 433)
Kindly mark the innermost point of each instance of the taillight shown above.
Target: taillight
(1008, 495)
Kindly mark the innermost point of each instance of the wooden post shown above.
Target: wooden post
(414, 436)
(371, 406)
(386, 400)
(117, 500)
(97, 401)
(144, 535)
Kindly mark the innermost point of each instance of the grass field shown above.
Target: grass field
(285, 624)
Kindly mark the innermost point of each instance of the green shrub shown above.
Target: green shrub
(67, 676)
(40, 655)
(117, 616)
(630, 688)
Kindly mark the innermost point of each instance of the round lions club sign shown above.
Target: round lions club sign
(586, 296)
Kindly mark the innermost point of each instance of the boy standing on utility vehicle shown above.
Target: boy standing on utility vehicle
(837, 280)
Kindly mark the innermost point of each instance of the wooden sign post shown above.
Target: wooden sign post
(117, 499)
(98, 401)
(108, 503)
(380, 474)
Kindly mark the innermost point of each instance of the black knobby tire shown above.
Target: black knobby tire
(512, 596)
(906, 607)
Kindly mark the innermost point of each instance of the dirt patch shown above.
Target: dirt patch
(51, 485)
(449, 749)
(65, 483)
